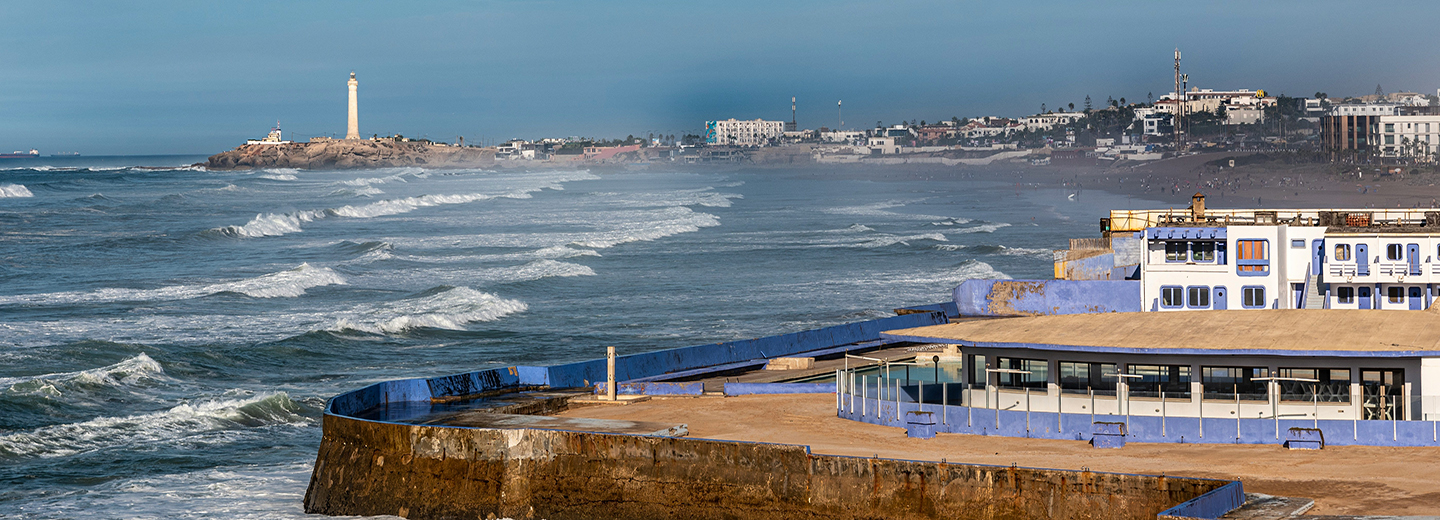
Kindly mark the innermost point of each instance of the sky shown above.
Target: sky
(186, 77)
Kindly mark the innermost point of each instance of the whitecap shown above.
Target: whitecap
(137, 370)
(170, 425)
(450, 309)
(14, 190)
(284, 284)
(983, 228)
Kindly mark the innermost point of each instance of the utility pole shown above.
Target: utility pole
(1179, 105)
(840, 113)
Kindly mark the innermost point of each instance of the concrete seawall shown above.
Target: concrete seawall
(371, 468)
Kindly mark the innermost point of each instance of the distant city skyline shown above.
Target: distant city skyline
(179, 77)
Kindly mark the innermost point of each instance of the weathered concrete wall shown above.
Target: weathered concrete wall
(371, 468)
(1046, 297)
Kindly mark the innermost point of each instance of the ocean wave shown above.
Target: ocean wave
(276, 224)
(14, 190)
(284, 284)
(135, 371)
(684, 221)
(170, 425)
(364, 191)
(707, 197)
(952, 221)
(278, 176)
(997, 250)
(989, 227)
(890, 240)
(451, 308)
(398, 177)
(881, 209)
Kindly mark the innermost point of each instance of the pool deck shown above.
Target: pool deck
(1349, 480)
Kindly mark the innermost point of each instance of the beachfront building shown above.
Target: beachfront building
(1414, 135)
(1200, 259)
(733, 132)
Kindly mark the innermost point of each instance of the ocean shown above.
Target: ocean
(169, 335)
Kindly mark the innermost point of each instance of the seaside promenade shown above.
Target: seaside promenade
(1342, 480)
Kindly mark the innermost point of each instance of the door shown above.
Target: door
(1417, 300)
(1218, 302)
(1299, 290)
(1362, 260)
(1382, 394)
(1317, 256)
(1362, 293)
(1412, 253)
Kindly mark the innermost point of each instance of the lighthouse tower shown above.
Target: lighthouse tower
(353, 130)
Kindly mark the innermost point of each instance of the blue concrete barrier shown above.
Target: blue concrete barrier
(778, 388)
(655, 388)
(648, 364)
(1209, 506)
(1108, 435)
(1304, 439)
(920, 425)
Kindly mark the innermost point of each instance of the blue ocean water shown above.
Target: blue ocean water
(168, 335)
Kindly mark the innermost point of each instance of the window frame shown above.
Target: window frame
(1192, 290)
(1244, 295)
(1203, 252)
(1397, 249)
(1257, 266)
(1390, 293)
(1341, 297)
(1342, 252)
(1179, 296)
(1177, 257)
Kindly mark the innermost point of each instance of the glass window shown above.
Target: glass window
(1202, 251)
(1032, 373)
(1172, 296)
(1175, 252)
(1253, 258)
(1342, 252)
(1331, 385)
(1345, 294)
(1395, 294)
(978, 376)
(1252, 297)
(1297, 244)
(1174, 380)
(1226, 382)
(1198, 297)
(1079, 378)
(1389, 127)
(1394, 252)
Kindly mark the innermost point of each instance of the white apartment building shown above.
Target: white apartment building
(1286, 259)
(1416, 137)
(733, 132)
(1368, 109)
(1048, 121)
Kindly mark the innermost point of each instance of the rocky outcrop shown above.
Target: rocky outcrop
(350, 154)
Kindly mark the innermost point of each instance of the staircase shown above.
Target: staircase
(1314, 299)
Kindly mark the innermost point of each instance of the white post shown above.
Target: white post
(1092, 406)
(838, 406)
(897, 400)
(864, 394)
(920, 395)
(944, 403)
(1027, 409)
(1315, 399)
(1274, 389)
(1237, 412)
(610, 373)
(969, 401)
(1162, 413)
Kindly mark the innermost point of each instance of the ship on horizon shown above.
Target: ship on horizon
(17, 154)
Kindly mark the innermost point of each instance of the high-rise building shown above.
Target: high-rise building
(353, 130)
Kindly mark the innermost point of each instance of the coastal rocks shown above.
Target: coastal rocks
(350, 154)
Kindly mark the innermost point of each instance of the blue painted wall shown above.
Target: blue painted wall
(634, 366)
(778, 388)
(1046, 297)
(1180, 430)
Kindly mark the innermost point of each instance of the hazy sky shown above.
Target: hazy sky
(195, 77)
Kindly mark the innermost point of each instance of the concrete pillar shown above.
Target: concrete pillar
(352, 131)
(610, 373)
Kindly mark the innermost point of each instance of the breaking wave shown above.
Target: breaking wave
(284, 284)
(983, 228)
(451, 308)
(276, 224)
(170, 425)
(138, 370)
(14, 190)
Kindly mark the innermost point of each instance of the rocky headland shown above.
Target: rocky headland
(351, 154)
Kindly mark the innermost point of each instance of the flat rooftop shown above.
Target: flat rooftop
(1337, 332)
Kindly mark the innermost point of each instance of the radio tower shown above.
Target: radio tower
(1179, 105)
(792, 115)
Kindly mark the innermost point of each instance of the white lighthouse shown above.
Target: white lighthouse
(353, 130)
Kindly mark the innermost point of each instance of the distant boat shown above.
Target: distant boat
(65, 154)
(20, 155)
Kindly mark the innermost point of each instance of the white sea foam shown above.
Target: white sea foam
(278, 176)
(450, 309)
(284, 284)
(172, 425)
(890, 240)
(363, 191)
(989, 227)
(693, 197)
(881, 209)
(137, 370)
(14, 190)
(236, 490)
